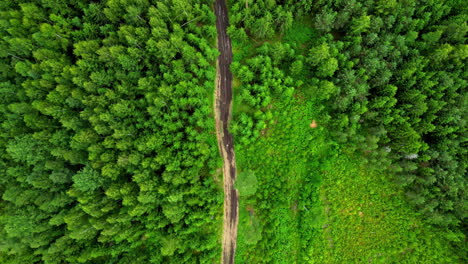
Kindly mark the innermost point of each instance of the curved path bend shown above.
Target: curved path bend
(223, 100)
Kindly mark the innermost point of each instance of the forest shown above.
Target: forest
(107, 152)
(386, 83)
(349, 123)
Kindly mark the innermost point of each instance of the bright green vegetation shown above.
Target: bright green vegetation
(303, 196)
(277, 222)
(106, 148)
(108, 151)
(386, 83)
(366, 220)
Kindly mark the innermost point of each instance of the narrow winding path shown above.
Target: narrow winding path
(223, 99)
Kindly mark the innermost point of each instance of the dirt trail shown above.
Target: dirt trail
(223, 98)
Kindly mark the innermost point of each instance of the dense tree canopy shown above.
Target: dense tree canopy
(108, 151)
(391, 77)
(105, 132)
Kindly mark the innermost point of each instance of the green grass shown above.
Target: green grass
(301, 32)
(366, 220)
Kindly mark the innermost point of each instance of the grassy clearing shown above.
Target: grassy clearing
(316, 204)
(281, 159)
(366, 220)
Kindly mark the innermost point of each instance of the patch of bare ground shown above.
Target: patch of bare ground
(223, 102)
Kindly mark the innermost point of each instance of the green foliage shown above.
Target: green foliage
(366, 219)
(388, 85)
(87, 179)
(106, 153)
(264, 19)
(274, 149)
(253, 232)
(107, 148)
(246, 183)
(393, 101)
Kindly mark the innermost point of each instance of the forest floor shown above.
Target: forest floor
(223, 99)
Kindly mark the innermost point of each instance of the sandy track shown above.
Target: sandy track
(223, 100)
